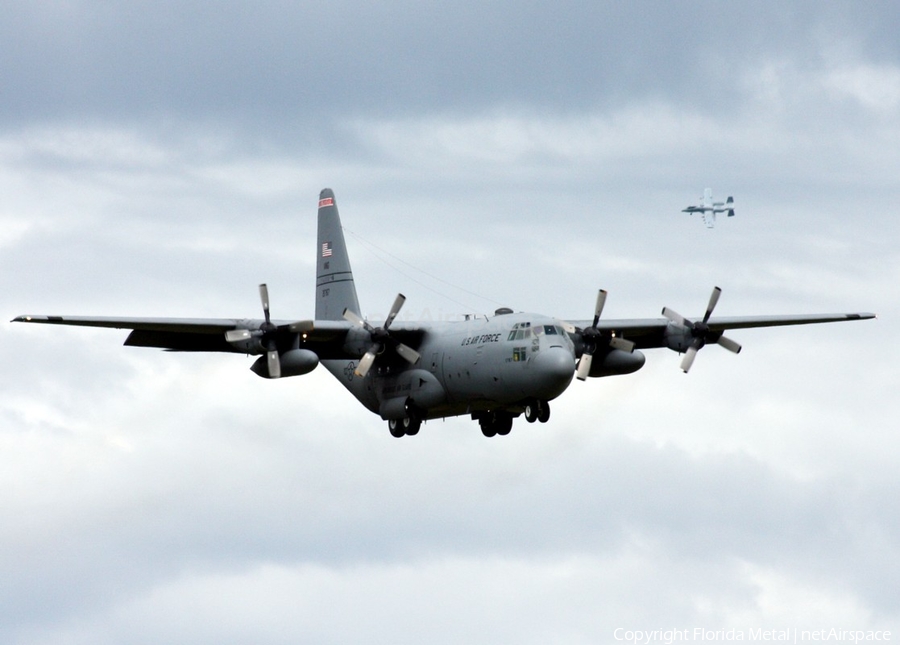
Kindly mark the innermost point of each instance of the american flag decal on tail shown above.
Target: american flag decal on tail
(326, 249)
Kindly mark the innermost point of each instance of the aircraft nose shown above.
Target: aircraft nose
(555, 368)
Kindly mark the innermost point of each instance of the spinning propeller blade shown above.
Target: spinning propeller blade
(591, 337)
(675, 317)
(236, 335)
(395, 309)
(264, 297)
(689, 357)
(274, 363)
(268, 335)
(598, 308)
(700, 331)
(408, 353)
(380, 337)
(265, 333)
(584, 366)
(355, 319)
(365, 363)
(713, 301)
(729, 344)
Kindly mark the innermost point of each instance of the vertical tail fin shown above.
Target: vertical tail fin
(335, 289)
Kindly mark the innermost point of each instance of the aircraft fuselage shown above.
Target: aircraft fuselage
(478, 364)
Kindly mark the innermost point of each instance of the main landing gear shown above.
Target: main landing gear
(493, 422)
(405, 426)
(499, 422)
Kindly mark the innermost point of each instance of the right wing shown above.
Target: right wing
(176, 334)
(325, 338)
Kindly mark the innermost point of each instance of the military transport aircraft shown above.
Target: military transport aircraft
(494, 368)
(709, 208)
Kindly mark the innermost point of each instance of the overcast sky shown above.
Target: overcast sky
(165, 158)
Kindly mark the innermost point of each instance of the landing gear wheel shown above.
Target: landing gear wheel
(496, 423)
(405, 426)
(396, 428)
(532, 411)
(544, 412)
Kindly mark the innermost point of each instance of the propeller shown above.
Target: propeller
(381, 336)
(700, 331)
(591, 336)
(266, 335)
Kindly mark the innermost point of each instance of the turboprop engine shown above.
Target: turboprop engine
(616, 361)
(689, 337)
(294, 362)
(616, 355)
(266, 340)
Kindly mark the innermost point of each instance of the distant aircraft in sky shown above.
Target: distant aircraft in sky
(709, 208)
(493, 368)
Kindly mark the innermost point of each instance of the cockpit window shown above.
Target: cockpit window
(521, 331)
(524, 330)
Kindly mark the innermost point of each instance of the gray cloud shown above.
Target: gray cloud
(163, 160)
(241, 63)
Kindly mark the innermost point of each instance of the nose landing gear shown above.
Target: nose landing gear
(537, 411)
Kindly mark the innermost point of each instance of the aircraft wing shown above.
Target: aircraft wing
(326, 338)
(648, 333)
(329, 339)
(176, 334)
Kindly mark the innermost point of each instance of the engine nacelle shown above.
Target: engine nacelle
(249, 345)
(616, 361)
(295, 362)
(678, 338)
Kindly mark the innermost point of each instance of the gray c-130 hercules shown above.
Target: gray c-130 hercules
(493, 368)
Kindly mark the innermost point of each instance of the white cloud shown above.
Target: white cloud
(524, 140)
(874, 88)
(154, 497)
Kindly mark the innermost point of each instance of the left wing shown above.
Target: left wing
(685, 336)
(647, 333)
(681, 334)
